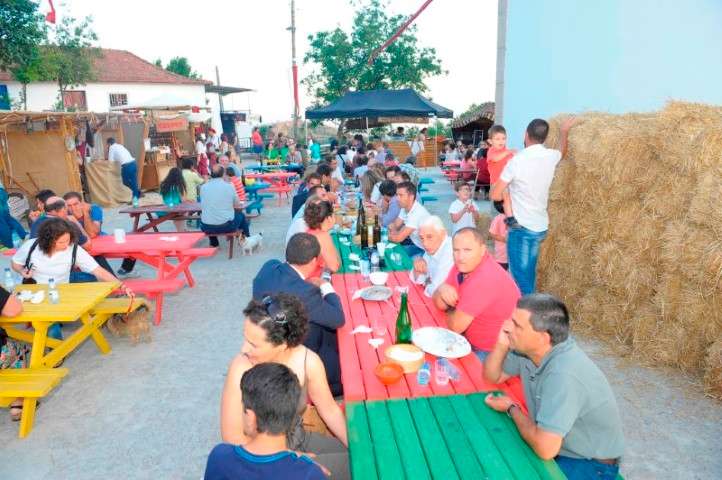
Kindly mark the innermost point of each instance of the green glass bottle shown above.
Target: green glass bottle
(403, 321)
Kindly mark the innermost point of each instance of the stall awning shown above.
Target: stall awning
(380, 103)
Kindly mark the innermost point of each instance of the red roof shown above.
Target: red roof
(120, 66)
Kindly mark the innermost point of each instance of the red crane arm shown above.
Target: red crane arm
(401, 29)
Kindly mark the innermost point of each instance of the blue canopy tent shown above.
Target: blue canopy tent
(380, 103)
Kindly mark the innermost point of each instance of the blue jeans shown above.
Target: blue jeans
(239, 222)
(584, 469)
(481, 355)
(129, 174)
(522, 247)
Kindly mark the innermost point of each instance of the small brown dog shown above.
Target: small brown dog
(134, 325)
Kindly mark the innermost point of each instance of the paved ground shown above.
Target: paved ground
(151, 411)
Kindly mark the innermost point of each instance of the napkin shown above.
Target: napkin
(38, 297)
(376, 342)
(361, 329)
(169, 239)
(25, 295)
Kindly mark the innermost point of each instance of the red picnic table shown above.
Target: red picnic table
(279, 182)
(155, 249)
(182, 211)
(359, 359)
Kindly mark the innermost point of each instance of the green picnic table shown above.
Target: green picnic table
(441, 437)
(396, 258)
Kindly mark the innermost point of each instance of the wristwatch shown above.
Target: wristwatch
(508, 410)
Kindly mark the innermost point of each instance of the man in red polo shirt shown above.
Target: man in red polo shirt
(478, 295)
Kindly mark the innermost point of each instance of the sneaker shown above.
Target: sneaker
(123, 274)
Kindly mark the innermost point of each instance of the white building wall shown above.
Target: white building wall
(44, 95)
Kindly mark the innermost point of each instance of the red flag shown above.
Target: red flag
(50, 16)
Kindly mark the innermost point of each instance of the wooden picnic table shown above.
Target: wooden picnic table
(452, 437)
(395, 258)
(359, 359)
(155, 249)
(76, 303)
(182, 211)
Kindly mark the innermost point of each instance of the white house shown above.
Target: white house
(121, 79)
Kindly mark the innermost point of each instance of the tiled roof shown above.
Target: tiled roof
(120, 66)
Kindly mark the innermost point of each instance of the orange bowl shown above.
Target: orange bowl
(389, 372)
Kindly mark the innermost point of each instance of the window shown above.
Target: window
(74, 101)
(4, 98)
(118, 99)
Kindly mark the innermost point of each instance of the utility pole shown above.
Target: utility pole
(294, 69)
(220, 97)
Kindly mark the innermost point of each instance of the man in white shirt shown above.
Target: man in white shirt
(220, 207)
(434, 266)
(405, 229)
(128, 167)
(528, 175)
(214, 139)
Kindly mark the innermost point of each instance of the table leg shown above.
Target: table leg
(39, 338)
(150, 220)
(136, 221)
(95, 323)
(26, 420)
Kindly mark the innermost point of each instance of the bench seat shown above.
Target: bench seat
(29, 384)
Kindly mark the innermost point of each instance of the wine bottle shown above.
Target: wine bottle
(403, 321)
(377, 230)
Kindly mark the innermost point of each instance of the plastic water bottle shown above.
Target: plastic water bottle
(135, 201)
(53, 293)
(384, 235)
(451, 370)
(374, 261)
(441, 372)
(16, 240)
(9, 280)
(424, 374)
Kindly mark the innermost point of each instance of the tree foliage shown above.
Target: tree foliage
(341, 59)
(21, 31)
(181, 66)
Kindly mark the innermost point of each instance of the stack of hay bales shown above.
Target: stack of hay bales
(635, 241)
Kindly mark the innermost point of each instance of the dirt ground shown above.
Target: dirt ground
(152, 411)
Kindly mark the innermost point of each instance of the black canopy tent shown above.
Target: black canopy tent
(380, 103)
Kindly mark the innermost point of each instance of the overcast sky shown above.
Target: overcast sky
(248, 41)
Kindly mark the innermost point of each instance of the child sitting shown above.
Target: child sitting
(468, 166)
(271, 395)
(464, 212)
(497, 157)
(498, 232)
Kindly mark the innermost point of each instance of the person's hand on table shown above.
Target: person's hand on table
(448, 294)
(499, 402)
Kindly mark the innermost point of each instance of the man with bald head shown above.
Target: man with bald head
(220, 207)
(56, 207)
(478, 295)
(433, 267)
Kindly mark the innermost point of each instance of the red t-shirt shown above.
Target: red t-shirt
(497, 158)
(488, 294)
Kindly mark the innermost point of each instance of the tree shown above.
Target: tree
(181, 66)
(341, 59)
(21, 31)
(69, 57)
(31, 69)
(158, 63)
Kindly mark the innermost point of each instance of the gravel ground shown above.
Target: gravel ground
(152, 411)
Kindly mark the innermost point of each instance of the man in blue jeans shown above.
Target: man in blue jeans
(219, 202)
(128, 167)
(573, 415)
(528, 175)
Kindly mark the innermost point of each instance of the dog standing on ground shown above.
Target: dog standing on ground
(252, 244)
(134, 325)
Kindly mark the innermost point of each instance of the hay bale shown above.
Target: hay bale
(713, 370)
(635, 245)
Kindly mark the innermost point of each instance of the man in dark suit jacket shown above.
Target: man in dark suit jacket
(302, 194)
(323, 305)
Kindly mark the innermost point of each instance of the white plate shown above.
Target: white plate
(441, 342)
(376, 293)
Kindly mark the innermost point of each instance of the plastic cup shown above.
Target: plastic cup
(365, 268)
(381, 248)
(119, 235)
(441, 373)
(378, 326)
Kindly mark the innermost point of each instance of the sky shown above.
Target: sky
(249, 43)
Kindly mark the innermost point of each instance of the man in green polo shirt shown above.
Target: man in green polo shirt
(573, 416)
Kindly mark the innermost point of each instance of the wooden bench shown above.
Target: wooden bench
(28, 384)
(428, 198)
(155, 290)
(230, 237)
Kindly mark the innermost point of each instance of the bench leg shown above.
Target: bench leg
(158, 308)
(231, 241)
(28, 416)
(96, 323)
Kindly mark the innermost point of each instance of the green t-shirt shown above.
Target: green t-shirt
(192, 180)
(568, 395)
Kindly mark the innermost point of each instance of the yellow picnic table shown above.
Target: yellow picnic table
(77, 302)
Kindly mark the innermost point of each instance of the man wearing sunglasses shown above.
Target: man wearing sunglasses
(322, 303)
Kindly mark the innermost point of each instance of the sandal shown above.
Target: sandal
(16, 411)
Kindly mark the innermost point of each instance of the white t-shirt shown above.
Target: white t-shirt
(359, 171)
(298, 225)
(438, 267)
(57, 266)
(118, 153)
(200, 148)
(376, 193)
(338, 174)
(413, 219)
(529, 174)
(416, 147)
(466, 220)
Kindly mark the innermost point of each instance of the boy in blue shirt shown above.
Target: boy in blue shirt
(271, 396)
